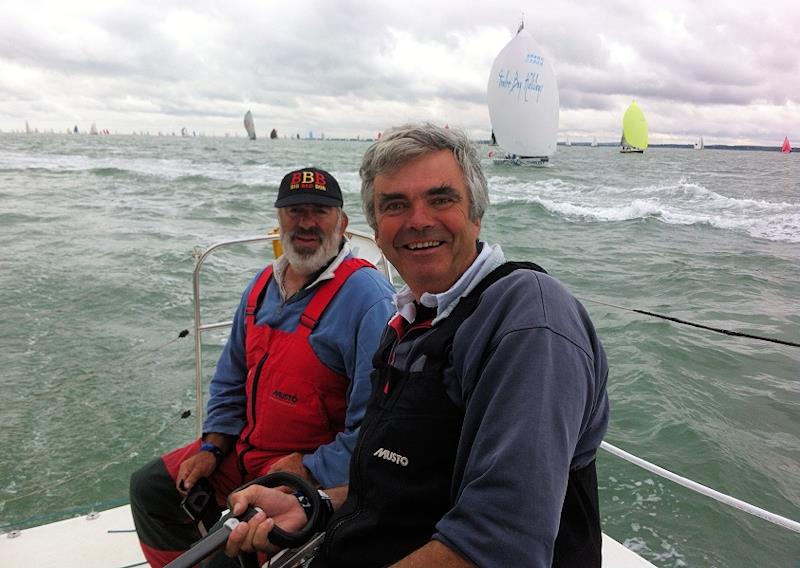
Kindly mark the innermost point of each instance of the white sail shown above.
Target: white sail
(249, 125)
(93, 129)
(523, 99)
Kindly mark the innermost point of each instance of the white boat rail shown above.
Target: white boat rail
(703, 490)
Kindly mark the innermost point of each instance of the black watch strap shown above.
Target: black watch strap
(325, 514)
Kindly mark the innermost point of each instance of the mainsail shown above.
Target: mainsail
(249, 126)
(523, 99)
(634, 130)
(786, 148)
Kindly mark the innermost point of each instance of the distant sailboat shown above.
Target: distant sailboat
(594, 142)
(634, 131)
(249, 125)
(523, 103)
(786, 148)
(93, 129)
(184, 132)
(569, 142)
(27, 128)
(699, 144)
(273, 134)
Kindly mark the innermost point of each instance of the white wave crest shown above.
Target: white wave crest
(678, 203)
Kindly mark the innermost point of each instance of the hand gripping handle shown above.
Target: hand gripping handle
(218, 534)
(278, 536)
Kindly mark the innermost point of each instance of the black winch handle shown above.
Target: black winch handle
(218, 534)
(278, 536)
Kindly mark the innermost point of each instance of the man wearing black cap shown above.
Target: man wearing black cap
(292, 382)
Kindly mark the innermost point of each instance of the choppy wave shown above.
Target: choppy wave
(250, 171)
(678, 203)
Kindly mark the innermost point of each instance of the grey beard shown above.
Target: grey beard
(307, 264)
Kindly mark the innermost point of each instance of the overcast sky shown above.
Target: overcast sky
(729, 71)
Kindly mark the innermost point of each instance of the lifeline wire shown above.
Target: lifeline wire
(184, 414)
(183, 333)
(701, 326)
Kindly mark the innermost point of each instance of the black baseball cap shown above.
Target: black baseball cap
(309, 185)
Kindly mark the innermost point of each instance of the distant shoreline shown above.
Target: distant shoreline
(480, 142)
(682, 146)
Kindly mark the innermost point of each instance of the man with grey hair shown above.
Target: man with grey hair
(292, 382)
(489, 395)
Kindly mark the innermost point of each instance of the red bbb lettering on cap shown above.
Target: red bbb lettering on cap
(295, 183)
(319, 182)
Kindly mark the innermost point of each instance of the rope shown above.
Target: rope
(184, 414)
(701, 326)
(703, 490)
(181, 335)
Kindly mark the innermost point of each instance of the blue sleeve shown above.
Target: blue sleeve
(535, 408)
(225, 411)
(369, 306)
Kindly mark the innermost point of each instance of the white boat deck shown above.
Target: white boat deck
(107, 540)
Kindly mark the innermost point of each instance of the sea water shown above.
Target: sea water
(97, 243)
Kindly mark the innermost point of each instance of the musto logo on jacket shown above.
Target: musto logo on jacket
(391, 456)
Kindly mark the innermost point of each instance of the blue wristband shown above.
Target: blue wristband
(217, 451)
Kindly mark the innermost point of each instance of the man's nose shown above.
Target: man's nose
(306, 218)
(419, 215)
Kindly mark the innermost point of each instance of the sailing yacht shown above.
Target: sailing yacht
(786, 147)
(249, 125)
(699, 144)
(522, 95)
(634, 131)
(594, 142)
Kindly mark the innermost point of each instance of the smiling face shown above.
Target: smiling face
(423, 224)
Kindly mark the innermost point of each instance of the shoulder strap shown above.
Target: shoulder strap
(438, 343)
(256, 296)
(325, 293)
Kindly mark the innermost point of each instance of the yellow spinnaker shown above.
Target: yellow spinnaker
(634, 127)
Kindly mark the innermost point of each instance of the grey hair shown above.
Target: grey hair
(401, 144)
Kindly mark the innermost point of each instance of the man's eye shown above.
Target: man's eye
(393, 206)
